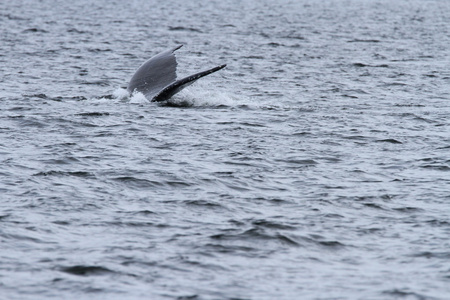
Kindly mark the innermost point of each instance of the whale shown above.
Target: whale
(157, 79)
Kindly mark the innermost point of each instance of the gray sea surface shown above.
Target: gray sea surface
(314, 166)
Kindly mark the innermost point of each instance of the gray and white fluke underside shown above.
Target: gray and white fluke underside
(157, 78)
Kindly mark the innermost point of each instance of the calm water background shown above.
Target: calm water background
(315, 166)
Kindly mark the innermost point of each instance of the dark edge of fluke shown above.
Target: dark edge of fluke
(178, 85)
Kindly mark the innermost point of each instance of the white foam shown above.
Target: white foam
(100, 100)
(138, 98)
(120, 94)
(201, 95)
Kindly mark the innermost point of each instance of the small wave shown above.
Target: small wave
(295, 161)
(272, 225)
(182, 28)
(94, 82)
(34, 30)
(93, 114)
(86, 270)
(40, 96)
(4, 216)
(62, 173)
(57, 98)
(404, 294)
(143, 212)
(134, 182)
(361, 65)
(392, 141)
(373, 205)
(99, 50)
(203, 203)
(26, 238)
(408, 209)
(256, 235)
(363, 41)
(428, 254)
(75, 30)
(436, 164)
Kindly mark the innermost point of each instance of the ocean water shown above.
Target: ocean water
(315, 166)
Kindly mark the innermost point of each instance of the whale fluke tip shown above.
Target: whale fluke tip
(177, 47)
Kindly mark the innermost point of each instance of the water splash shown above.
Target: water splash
(138, 98)
(202, 95)
(120, 94)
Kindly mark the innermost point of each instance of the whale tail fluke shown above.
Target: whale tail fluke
(157, 78)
